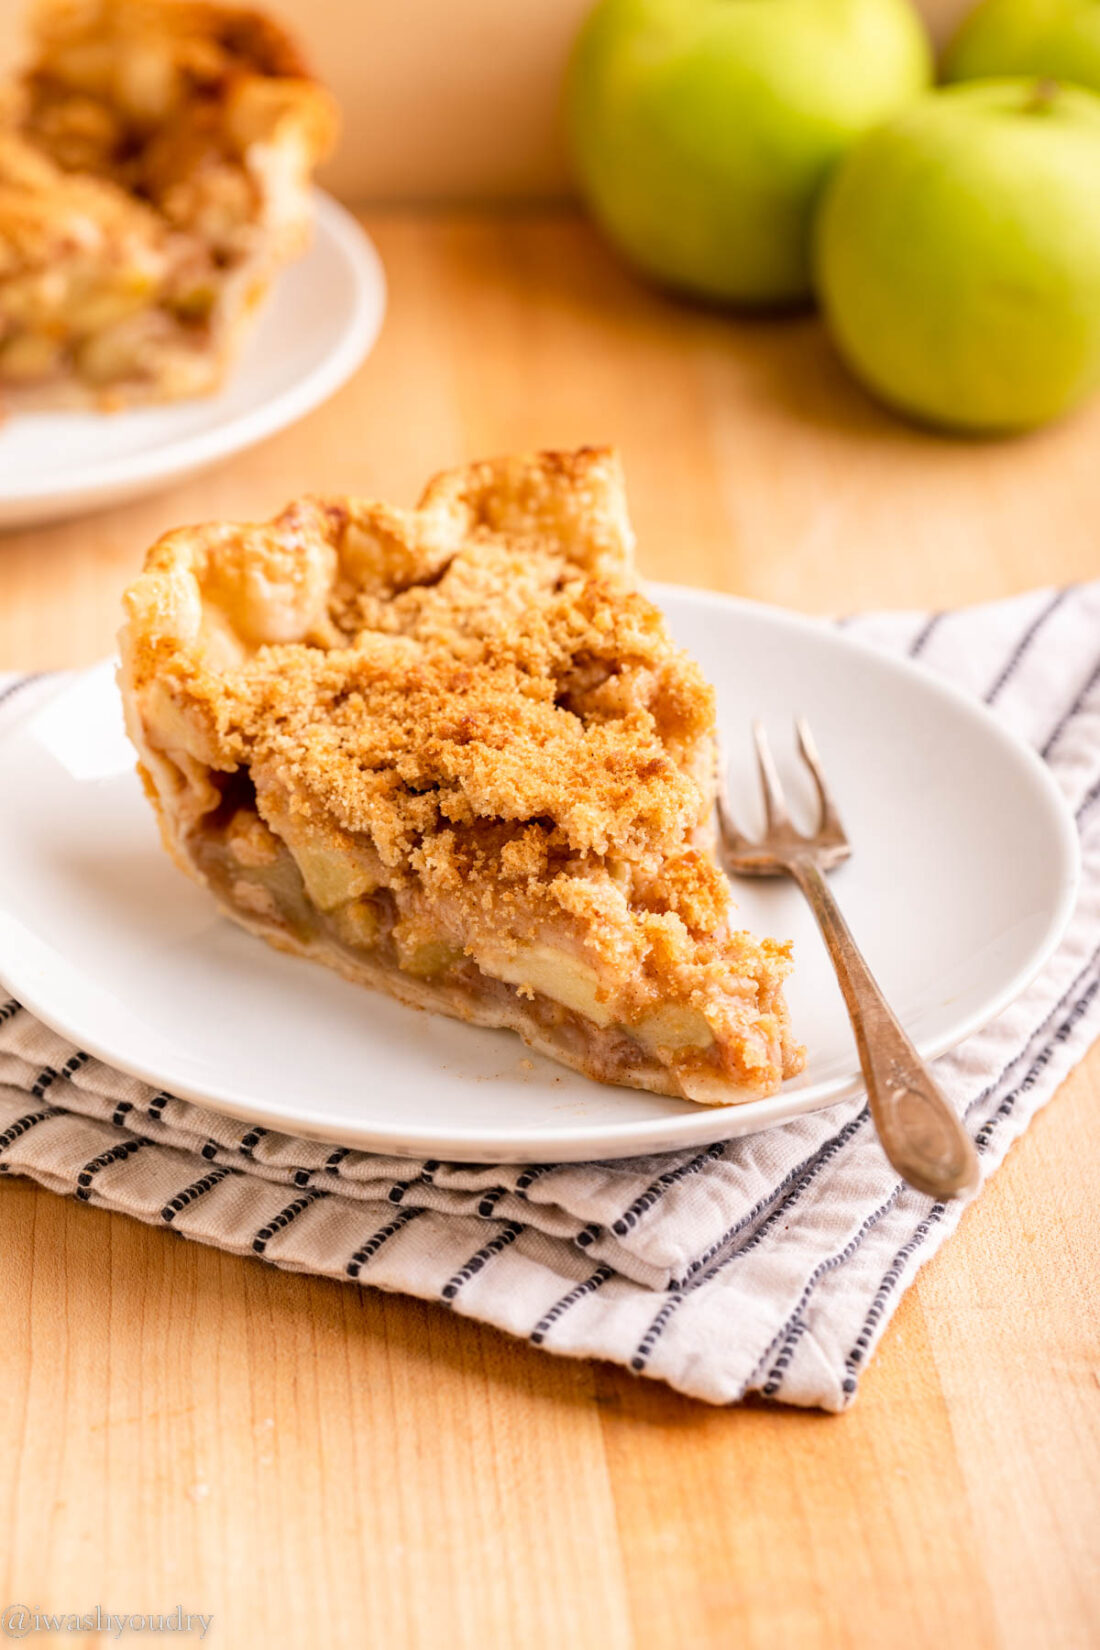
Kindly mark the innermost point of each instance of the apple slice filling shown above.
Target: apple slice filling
(327, 895)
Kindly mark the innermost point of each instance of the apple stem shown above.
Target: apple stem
(1042, 96)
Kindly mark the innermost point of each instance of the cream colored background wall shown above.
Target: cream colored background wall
(443, 99)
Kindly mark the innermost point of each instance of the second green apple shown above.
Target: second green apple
(704, 130)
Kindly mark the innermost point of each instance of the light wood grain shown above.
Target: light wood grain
(319, 1464)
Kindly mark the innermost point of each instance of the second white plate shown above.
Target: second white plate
(962, 880)
(319, 322)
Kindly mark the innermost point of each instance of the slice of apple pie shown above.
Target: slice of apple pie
(154, 177)
(453, 753)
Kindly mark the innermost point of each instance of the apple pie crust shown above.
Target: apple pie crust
(154, 177)
(452, 753)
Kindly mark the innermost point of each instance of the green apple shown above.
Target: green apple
(1060, 38)
(703, 130)
(958, 255)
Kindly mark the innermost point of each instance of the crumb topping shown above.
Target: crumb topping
(514, 682)
(510, 690)
(162, 96)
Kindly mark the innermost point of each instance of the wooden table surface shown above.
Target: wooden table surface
(315, 1463)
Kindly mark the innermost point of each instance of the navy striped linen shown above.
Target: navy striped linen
(769, 1264)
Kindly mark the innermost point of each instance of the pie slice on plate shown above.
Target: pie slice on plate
(453, 753)
(154, 177)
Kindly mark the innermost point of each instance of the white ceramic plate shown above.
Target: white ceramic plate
(963, 877)
(319, 322)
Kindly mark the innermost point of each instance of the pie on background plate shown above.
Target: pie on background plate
(453, 753)
(155, 163)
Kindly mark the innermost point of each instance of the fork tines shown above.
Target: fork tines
(779, 829)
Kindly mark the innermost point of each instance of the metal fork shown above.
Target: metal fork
(917, 1125)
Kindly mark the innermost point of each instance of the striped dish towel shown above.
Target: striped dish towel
(770, 1264)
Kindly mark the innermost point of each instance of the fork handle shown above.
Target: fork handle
(920, 1130)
